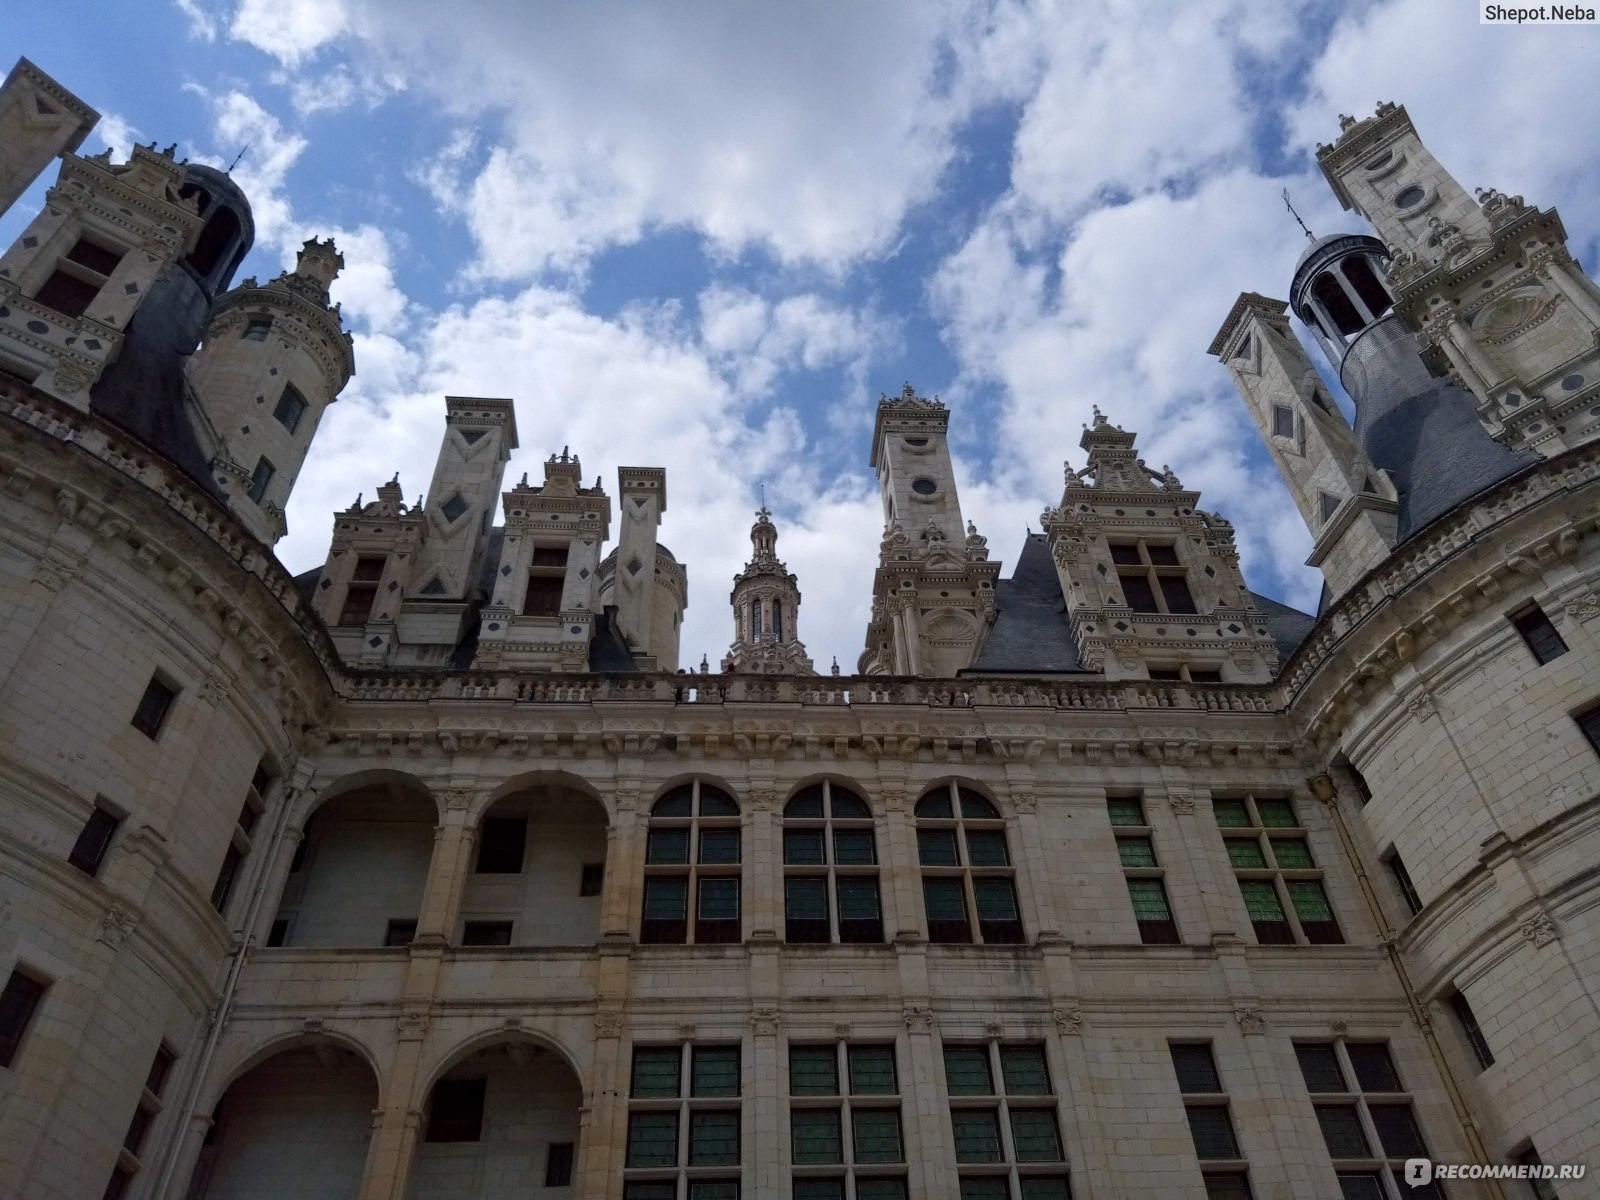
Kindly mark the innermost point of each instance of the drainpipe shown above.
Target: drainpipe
(237, 956)
(1322, 786)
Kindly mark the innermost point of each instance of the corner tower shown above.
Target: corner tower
(933, 593)
(766, 610)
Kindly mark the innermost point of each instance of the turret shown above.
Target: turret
(275, 356)
(766, 610)
(641, 579)
(39, 119)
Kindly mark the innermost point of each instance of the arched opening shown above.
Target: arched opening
(830, 867)
(217, 238)
(537, 869)
(693, 850)
(1336, 305)
(358, 874)
(502, 1121)
(969, 885)
(297, 1124)
(1359, 274)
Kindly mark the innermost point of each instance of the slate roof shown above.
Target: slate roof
(1030, 631)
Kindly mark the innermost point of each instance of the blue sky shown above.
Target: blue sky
(705, 236)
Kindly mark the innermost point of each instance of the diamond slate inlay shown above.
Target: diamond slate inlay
(374, 641)
(505, 570)
(30, 242)
(634, 566)
(453, 507)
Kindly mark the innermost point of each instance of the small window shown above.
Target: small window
(558, 1165)
(18, 1002)
(256, 330)
(924, 487)
(1589, 721)
(223, 888)
(486, 933)
(1540, 634)
(543, 598)
(278, 935)
(456, 1114)
(153, 708)
(1409, 197)
(89, 851)
(291, 407)
(259, 479)
(592, 879)
(1282, 421)
(67, 294)
(1329, 505)
(1196, 1068)
(1469, 1029)
(1402, 882)
(656, 1072)
(95, 257)
(502, 846)
(400, 933)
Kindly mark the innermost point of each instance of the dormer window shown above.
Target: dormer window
(547, 576)
(78, 278)
(363, 590)
(1152, 578)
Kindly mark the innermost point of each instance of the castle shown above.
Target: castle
(430, 874)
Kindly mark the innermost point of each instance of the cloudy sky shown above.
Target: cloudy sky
(706, 236)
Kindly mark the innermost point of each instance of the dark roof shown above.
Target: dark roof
(1030, 631)
(607, 651)
(307, 582)
(1288, 626)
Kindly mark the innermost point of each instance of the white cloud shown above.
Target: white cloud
(289, 30)
(756, 341)
(200, 23)
(116, 134)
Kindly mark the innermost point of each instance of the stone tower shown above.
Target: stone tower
(39, 119)
(640, 579)
(1152, 584)
(766, 610)
(933, 593)
(274, 357)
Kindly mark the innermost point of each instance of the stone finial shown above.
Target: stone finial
(835, 664)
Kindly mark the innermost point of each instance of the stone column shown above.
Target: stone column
(447, 872)
(394, 1142)
(762, 886)
(1181, 836)
(1569, 281)
(622, 889)
(767, 1175)
(601, 1146)
(931, 1151)
(1027, 850)
(900, 868)
(1456, 334)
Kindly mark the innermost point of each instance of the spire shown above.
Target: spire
(766, 609)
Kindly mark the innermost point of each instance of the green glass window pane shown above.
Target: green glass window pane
(678, 802)
(1136, 852)
(1397, 1130)
(1024, 1071)
(715, 1071)
(1228, 1187)
(714, 802)
(719, 900)
(937, 848)
(666, 898)
(935, 805)
(713, 1139)
(1125, 810)
(1045, 1187)
(645, 1189)
(975, 807)
(1341, 1129)
(817, 1189)
(1196, 1068)
(1293, 854)
(653, 1139)
(880, 1189)
(945, 899)
(655, 1071)
(719, 845)
(875, 1135)
(977, 1135)
(817, 1136)
(1212, 1130)
(805, 898)
(667, 846)
(984, 1187)
(1231, 814)
(854, 848)
(1309, 900)
(806, 803)
(1319, 1065)
(1034, 1135)
(1373, 1067)
(1245, 853)
(858, 897)
(713, 1189)
(966, 1070)
(1261, 900)
(872, 1071)
(996, 899)
(1365, 1186)
(987, 848)
(846, 805)
(813, 1071)
(803, 847)
(1277, 814)
(1149, 900)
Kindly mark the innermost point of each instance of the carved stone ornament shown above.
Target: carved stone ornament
(114, 928)
(1421, 706)
(1251, 1020)
(1584, 608)
(763, 799)
(411, 1026)
(458, 799)
(52, 574)
(1338, 1028)
(994, 1029)
(1182, 803)
(1539, 928)
(1026, 803)
(608, 1025)
(1069, 1022)
(213, 692)
(894, 799)
(765, 1019)
(918, 1016)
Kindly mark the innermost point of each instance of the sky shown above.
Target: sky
(706, 236)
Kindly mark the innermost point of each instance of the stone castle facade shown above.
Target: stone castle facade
(430, 874)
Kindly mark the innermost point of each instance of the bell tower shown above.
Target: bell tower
(933, 593)
(766, 610)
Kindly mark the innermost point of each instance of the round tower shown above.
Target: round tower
(766, 610)
(275, 355)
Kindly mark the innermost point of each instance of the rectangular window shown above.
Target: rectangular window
(290, 408)
(1023, 1068)
(667, 847)
(1469, 1029)
(946, 903)
(456, 1111)
(486, 933)
(278, 935)
(860, 913)
(1542, 1189)
(1589, 722)
(805, 908)
(1196, 1068)
(1153, 912)
(872, 1071)
(1274, 866)
(1341, 1129)
(97, 258)
(1034, 1135)
(89, 851)
(666, 910)
(18, 1002)
(713, 1139)
(400, 933)
(1362, 1159)
(67, 294)
(717, 910)
(1329, 505)
(813, 1071)
(223, 888)
(501, 845)
(816, 1136)
(719, 846)
(1403, 884)
(999, 920)
(1540, 634)
(715, 1071)
(1175, 591)
(362, 593)
(1319, 1066)
(154, 706)
(818, 1132)
(592, 879)
(653, 1139)
(543, 597)
(1125, 810)
(1212, 1130)
(558, 1165)
(966, 1070)
(259, 479)
(256, 330)
(1137, 593)
(875, 1135)
(803, 848)
(656, 1072)
(977, 1133)
(1282, 421)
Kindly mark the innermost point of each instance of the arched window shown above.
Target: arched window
(777, 620)
(968, 885)
(1336, 304)
(755, 620)
(692, 850)
(829, 851)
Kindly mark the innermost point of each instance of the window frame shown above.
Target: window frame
(1144, 567)
(1210, 1100)
(1278, 878)
(1390, 1167)
(682, 1106)
(94, 838)
(695, 930)
(967, 873)
(835, 928)
(845, 1103)
(1538, 633)
(1001, 1103)
(1151, 932)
